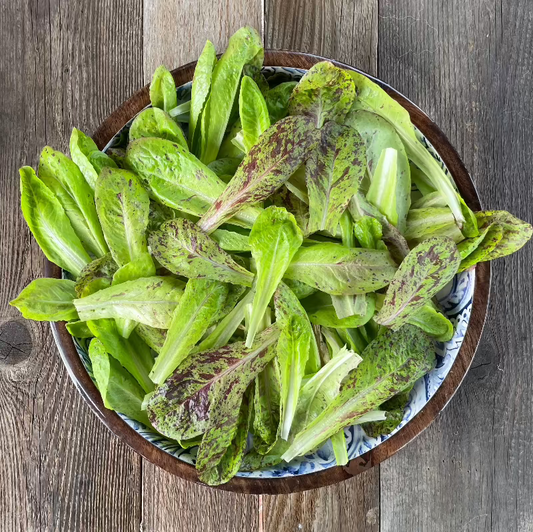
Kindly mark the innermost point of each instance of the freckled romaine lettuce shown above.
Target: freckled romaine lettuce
(392, 362)
(427, 269)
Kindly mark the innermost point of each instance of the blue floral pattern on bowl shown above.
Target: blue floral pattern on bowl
(455, 300)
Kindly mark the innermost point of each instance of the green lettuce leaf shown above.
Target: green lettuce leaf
(201, 86)
(89, 159)
(253, 113)
(79, 329)
(428, 268)
(47, 300)
(432, 322)
(333, 174)
(65, 180)
(277, 100)
(231, 240)
(163, 90)
(181, 247)
(119, 390)
(151, 301)
(154, 122)
(244, 47)
(428, 222)
(391, 363)
(152, 337)
(338, 270)
(274, 239)
(178, 179)
(132, 353)
(279, 152)
(326, 92)
(200, 301)
(49, 224)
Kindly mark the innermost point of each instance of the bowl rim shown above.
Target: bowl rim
(284, 58)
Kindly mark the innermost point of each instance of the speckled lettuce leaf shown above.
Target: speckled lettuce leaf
(267, 407)
(253, 113)
(148, 300)
(218, 472)
(325, 93)
(333, 174)
(154, 122)
(394, 412)
(90, 160)
(279, 152)
(226, 401)
(379, 135)
(184, 249)
(163, 90)
(178, 179)
(47, 300)
(432, 322)
(287, 305)
(96, 275)
(119, 390)
(231, 240)
(427, 269)
(180, 408)
(49, 224)
(428, 222)
(274, 239)
(65, 180)
(277, 100)
(201, 299)
(123, 206)
(321, 311)
(244, 47)
(338, 270)
(152, 337)
(391, 363)
(371, 97)
(201, 85)
(501, 235)
(131, 352)
(283, 197)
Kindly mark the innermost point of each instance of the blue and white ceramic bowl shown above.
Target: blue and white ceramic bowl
(456, 301)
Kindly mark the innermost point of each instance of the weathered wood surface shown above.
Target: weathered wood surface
(468, 64)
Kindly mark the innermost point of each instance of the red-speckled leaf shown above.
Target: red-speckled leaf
(427, 269)
(326, 92)
(276, 156)
(333, 174)
(184, 249)
(181, 407)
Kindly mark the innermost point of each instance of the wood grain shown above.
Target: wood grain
(175, 31)
(170, 503)
(61, 64)
(346, 31)
(470, 66)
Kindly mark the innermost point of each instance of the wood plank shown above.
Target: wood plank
(62, 65)
(175, 31)
(469, 66)
(345, 31)
(170, 503)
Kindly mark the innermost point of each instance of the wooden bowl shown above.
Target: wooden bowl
(383, 451)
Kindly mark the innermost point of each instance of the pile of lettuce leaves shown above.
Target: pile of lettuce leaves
(256, 267)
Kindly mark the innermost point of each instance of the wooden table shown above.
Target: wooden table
(468, 64)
